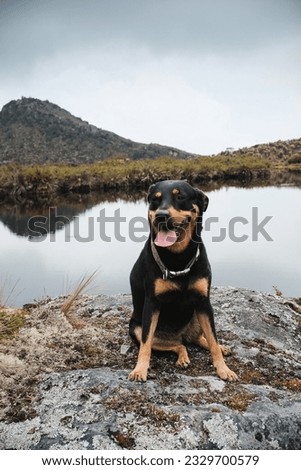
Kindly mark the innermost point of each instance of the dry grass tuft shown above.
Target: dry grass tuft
(68, 305)
(277, 291)
(8, 291)
(10, 322)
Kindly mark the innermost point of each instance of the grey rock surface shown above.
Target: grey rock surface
(92, 405)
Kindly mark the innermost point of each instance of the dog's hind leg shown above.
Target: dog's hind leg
(181, 351)
(194, 334)
(201, 341)
(165, 345)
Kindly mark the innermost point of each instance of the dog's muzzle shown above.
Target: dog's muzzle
(168, 230)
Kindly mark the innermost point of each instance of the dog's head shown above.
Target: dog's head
(175, 210)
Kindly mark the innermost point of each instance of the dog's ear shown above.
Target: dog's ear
(202, 200)
(150, 190)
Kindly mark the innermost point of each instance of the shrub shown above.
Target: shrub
(295, 158)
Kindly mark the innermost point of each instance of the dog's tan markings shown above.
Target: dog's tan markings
(201, 286)
(162, 286)
(175, 191)
(158, 194)
(196, 208)
(178, 215)
(152, 215)
(140, 372)
(220, 366)
(181, 351)
(186, 233)
(183, 359)
(161, 344)
(201, 341)
(138, 333)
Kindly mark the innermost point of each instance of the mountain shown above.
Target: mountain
(37, 132)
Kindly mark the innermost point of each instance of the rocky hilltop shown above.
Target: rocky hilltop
(38, 132)
(64, 379)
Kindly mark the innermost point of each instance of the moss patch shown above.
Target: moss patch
(10, 322)
(137, 402)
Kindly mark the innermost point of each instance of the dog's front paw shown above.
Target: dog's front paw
(226, 374)
(225, 350)
(183, 360)
(138, 375)
(183, 363)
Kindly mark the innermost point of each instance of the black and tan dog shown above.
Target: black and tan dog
(170, 281)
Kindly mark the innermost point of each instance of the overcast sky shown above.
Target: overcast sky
(200, 75)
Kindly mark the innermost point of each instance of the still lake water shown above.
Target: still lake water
(240, 254)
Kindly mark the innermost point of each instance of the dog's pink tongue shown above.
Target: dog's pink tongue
(166, 238)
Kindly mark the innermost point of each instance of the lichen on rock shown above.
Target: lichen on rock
(66, 388)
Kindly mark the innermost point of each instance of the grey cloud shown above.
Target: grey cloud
(31, 29)
(219, 72)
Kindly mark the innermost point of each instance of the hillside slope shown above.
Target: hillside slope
(286, 151)
(35, 131)
(39, 132)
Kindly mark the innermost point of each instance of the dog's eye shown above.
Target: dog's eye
(180, 197)
(155, 200)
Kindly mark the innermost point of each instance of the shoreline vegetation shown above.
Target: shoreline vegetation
(46, 152)
(19, 182)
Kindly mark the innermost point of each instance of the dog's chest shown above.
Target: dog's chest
(171, 288)
(177, 300)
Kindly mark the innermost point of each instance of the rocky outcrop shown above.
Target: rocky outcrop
(65, 383)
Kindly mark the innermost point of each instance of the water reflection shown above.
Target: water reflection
(54, 214)
(17, 219)
(50, 266)
(16, 216)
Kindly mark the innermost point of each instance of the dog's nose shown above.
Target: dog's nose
(162, 216)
